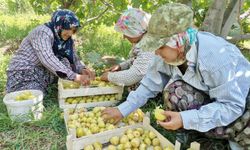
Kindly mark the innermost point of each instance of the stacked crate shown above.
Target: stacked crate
(104, 140)
(82, 132)
(76, 96)
(74, 143)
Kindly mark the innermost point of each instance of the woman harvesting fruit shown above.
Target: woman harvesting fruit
(47, 53)
(133, 25)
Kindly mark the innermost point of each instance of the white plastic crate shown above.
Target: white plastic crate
(82, 91)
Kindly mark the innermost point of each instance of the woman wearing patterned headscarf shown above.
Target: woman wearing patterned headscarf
(133, 25)
(47, 52)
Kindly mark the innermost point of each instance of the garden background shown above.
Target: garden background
(95, 39)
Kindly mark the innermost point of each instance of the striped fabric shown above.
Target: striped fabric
(133, 69)
(36, 50)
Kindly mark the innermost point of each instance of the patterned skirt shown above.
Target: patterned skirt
(37, 78)
(180, 96)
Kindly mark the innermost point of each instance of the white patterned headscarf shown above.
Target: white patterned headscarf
(133, 22)
(186, 38)
(178, 40)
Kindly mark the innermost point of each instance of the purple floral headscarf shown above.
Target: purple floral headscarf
(63, 19)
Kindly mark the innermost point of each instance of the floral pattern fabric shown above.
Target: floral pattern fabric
(180, 96)
(133, 22)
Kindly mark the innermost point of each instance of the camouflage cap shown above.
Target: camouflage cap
(166, 21)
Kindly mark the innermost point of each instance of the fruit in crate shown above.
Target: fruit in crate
(90, 99)
(146, 140)
(89, 147)
(67, 84)
(135, 142)
(87, 123)
(97, 146)
(114, 140)
(98, 82)
(27, 95)
(158, 114)
(134, 117)
(111, 147)
(168, 148)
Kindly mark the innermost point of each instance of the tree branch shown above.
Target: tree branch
(96, 17)
(107, 4)
(99, 15)
(237, 38)
(228, 11)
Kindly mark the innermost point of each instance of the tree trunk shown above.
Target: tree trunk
(230, 16)
(214, 17)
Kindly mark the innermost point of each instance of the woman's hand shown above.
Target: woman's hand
(82, 79)
(113, 114)
(173, 121)
(113, 68)
(104, 77)
(88, 72)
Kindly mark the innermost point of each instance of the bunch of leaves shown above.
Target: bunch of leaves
(103, 40)
(200, 8)
(108, 11)
(94, 61)
(99, 42)
(245, 23)
(15, 6)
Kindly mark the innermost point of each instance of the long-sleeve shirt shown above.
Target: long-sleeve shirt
(36, 50)
(132, 70)
(215, 67)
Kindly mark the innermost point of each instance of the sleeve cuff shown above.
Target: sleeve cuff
(71, 75)
(190, 119)
(110, 76)
(123, 65)
(125, 109)
(114, 78)
(81, 68)
(81, 65)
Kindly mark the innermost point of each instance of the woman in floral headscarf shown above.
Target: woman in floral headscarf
(132, 24)
(47, 52)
